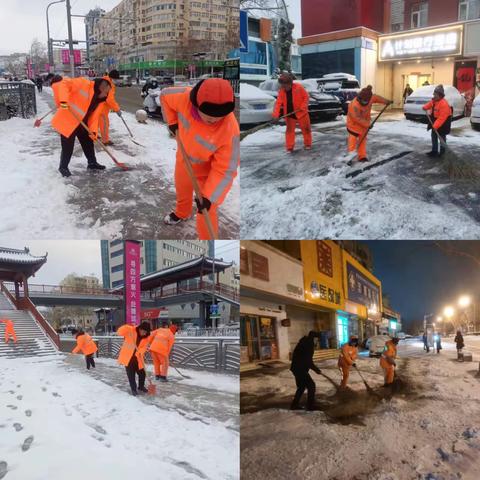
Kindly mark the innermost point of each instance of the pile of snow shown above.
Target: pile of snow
(250, 92)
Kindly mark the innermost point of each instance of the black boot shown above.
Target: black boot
(65, 172)
(96, 166)
(432, 154)
(134, 393)
(442, 151)
(143, 389)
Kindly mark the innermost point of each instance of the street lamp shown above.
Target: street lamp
(449, 311)
(49, 43)
(464, 301)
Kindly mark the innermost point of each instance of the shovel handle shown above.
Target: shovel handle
(125, 123)
(362, 138)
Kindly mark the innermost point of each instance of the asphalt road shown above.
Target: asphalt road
(129, 98)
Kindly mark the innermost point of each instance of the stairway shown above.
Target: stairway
(31, 340)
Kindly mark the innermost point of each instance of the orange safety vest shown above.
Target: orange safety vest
(348, 355)
(214, 150)
(78, 93)
(129, 347)
(389, 353)
(111, 102)
(85, 344)
(359, 116)
(300, 99)
(441, 111)
(8, 325)
(162, 341)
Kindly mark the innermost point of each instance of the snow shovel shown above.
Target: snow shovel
(180, 373)
(367, 386)
(38, 121)
(264, 125)
(122, 165)
(130, 133)
(353, 154)
(196, 188)
(152, 388)
(456, 168)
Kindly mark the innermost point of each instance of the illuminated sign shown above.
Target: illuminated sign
(428, 43)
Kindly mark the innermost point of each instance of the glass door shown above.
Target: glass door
(342, 329)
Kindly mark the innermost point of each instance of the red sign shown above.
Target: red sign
(77, 57)
(131, 260)
(151, 313)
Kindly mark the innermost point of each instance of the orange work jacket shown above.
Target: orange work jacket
(111, 102)
(8, 325)
(348, 355)
(441, 111)
(388, 355)
(162, 341)
(214, 150)
(300, 100)
(85, 344)
(129, 347)
(359, 116)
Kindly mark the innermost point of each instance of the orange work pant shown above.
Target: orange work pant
(345, 375)
(104, 125)
(9, 335)
(183, 209)
(389, 373)
(160, 363)
(352, 145)
(304, 123)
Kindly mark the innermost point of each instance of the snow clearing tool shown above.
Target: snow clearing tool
(264, 125)
(122, 165)
(130, 133)
(456, 168)
(196, 188)
(38, 121)
(180, 373)
(353, 154)
(367, 386)
(152, 388)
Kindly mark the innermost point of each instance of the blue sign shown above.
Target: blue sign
(243, 31)
(362, 290)
(213, 309)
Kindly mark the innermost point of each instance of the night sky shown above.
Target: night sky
(421, 278)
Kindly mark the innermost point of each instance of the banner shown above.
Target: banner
(77, 57)
(153, 313)
(131, 265)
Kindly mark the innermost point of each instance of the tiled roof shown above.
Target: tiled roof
(20, 256)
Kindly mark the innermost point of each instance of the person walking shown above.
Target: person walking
(161, 342)
(358, 120)
(302, 362)
(9, 330)
(347, 358)
(132, 353)
(87, 346)
(110, 104)
(407, 92)
(459, 342)
(39, 83)
(387, 360)
(78, 99)
(426, 346)
(293, 101)
(441, 118)
(202, 120)
(438, 342)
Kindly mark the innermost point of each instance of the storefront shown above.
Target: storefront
(391, 322)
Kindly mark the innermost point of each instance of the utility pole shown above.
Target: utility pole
(49, 40)
(70, 40)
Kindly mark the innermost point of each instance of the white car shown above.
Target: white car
(413, 105)
(270, 86)
(256, 106)
(376, 344)
(475, 118)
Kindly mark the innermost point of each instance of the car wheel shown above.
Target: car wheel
(475, 126)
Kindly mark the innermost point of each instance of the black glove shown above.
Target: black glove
(204, 204)
(354, 365)
(173, 129)
(119, 113)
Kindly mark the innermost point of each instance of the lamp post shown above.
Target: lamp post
(464, 302)
(49, 43)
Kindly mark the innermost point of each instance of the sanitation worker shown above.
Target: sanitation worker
(387, 360)
(293, 101)
(87, 346)
(203, 121)
(348, 355)
(78, 99)
(9, 330)
(302, 362)
(109, 104)
(132, 353)
(358, 120)
(441, 118)
(161, 343)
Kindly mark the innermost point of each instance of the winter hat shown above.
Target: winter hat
(365, 94)
(439, 90)
(114, 74)
(285, 78)
(213, 97)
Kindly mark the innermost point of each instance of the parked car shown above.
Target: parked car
(401, 335)
(414, 103)
(322, 106)
(256, 106)
(475, 117)
(270, 86)
(343, 85)
(376, 344)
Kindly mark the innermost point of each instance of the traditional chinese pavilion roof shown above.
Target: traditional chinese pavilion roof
(183, 271)
(15, 263)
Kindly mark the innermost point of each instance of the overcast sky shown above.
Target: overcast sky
(83, 257)
(23, 20)
(293, 7)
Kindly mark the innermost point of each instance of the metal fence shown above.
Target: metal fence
(209, 332)
(215, 354)
(17, 99)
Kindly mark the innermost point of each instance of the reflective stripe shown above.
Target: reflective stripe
(183, 119)
(83, 92)
(232, 167)
(78, 109)
(167, 91)
(209, 146)
(196, 160)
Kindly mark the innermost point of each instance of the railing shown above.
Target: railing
(19, 99)
(209, 332)
(65, 290)
(215, 354)
(7, 293)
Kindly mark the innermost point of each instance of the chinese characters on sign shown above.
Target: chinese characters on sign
(322, 292)
(362, 290)
(324, 258)
(77, 57)
(132, 282)
(427, 44)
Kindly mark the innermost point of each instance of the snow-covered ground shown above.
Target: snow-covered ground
(38, 203)
(428, 429)
(88, 425)
(307, 194)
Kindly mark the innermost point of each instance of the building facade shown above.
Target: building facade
(288, 288)
(404, 41)
(151, 36)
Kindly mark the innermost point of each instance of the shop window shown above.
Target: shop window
(419, 15)
(468, 9)
(342, 329)
(315, 65)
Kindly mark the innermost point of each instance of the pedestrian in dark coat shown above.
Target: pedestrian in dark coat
(407, 92)
(459, 341)
(438, 342)
(39, 84)
(302, 362)
(425, 342)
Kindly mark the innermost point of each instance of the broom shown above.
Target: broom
(367, 386)
(264, 125)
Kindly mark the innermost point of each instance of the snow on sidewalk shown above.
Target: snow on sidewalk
(428, 430)
(88, 429)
